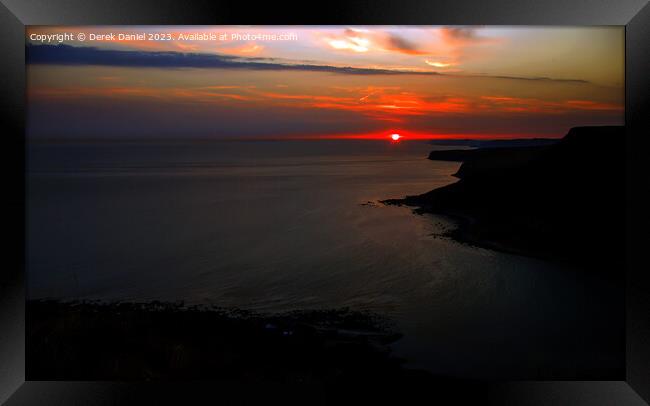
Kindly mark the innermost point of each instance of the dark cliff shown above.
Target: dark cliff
(563, 201)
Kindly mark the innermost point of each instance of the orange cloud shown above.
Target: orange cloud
(457, 41)
(351, 40)
(394, 42)
(246, 49)
(531, 105)
(438, 64)
(591, 105)
(187, 47)
(462, 36)
(362, 40)
(201, 95)
(79, 92)
(390, 104)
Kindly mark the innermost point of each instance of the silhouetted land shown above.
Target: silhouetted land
(561, 200)
(152, 341)
(323, 354)
(485, 144)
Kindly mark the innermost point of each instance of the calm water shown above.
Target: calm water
(276, 226)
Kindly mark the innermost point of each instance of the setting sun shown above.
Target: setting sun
(395, 137)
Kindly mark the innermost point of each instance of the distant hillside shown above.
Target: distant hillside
(564, 200)
(484, 159)
(518, 142)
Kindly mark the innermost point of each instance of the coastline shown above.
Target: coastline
(466, 233)
(465, 230)
(551, 201)
(160, 341)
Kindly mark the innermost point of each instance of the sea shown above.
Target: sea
(281, 225)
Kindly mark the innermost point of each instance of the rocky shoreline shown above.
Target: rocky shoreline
(557, 201)
(159, 341)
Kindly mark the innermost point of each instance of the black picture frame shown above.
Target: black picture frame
(16, 14)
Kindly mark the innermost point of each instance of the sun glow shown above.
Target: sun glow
(437, 64)
(395, 137)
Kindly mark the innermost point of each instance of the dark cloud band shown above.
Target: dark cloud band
(70, 55)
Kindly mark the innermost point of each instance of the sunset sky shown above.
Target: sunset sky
(326, 82)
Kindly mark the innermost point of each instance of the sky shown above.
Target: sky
(322, 82)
